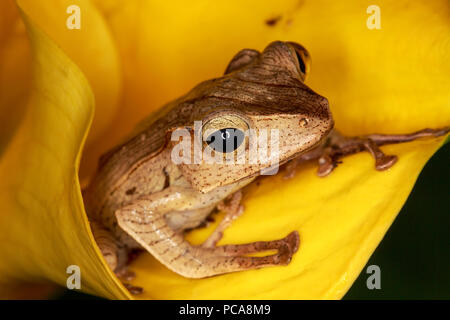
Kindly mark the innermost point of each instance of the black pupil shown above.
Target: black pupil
(300, 62)
(225, 140)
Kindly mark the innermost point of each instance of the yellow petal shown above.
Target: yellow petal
(341, 219)
(93, 49)
(14, 70)
(43, 228)
(390, 80)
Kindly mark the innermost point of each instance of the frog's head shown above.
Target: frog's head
(260, 94)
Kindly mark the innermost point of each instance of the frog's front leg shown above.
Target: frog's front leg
(144, 220)
(233, 209)
(337, 146)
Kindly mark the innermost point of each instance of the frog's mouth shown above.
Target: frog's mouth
(310, 153)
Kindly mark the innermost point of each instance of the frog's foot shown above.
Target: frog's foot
(330, 158)
(286, 247)
(338, 146)
(125, 274)
(341, 146)
(233, 257)
(230, 258)
(233, 209)
(132, 289)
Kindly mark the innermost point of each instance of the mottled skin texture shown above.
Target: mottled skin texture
(140, 198)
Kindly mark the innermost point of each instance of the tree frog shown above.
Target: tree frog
(140, 198)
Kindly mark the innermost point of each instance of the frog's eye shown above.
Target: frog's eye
(303, 59)
(225, 140)
(225, 133)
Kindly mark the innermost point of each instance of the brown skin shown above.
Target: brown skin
(140, 198)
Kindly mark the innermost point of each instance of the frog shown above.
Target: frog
(142, 199)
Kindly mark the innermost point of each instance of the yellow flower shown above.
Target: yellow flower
(130, 57)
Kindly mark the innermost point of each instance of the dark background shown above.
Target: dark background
(414, 256)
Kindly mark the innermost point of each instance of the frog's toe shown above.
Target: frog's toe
(125, 274)
(385, 162)
(133, 289)
(293, 241)
(290, 246)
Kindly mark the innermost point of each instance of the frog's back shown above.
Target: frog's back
(137, 160)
